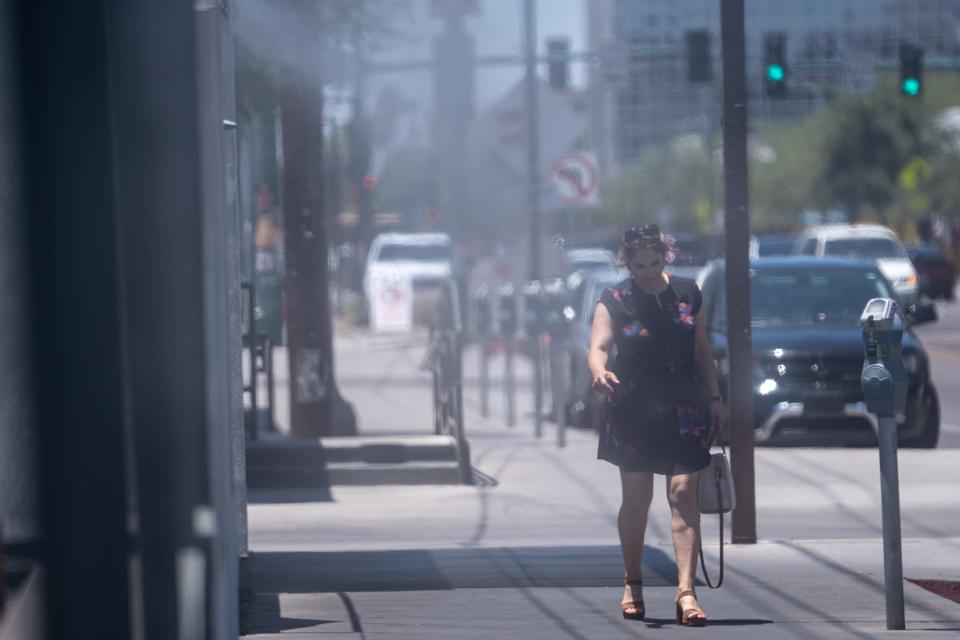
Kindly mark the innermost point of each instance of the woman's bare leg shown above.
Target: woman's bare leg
(632, 523)
(685, 521)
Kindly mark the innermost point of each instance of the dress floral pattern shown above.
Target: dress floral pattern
(656, 419)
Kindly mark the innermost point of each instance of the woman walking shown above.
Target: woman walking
(663, 407)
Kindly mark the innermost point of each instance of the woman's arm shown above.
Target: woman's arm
(601, 340)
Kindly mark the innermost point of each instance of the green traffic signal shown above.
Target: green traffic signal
(911, 86)
(775, 72)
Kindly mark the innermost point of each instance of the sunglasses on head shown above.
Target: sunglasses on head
(644, 231)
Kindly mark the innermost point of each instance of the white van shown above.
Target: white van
(864, 241)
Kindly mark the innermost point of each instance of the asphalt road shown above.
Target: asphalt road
(942, 341)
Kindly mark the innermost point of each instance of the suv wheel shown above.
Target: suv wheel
(931, 431)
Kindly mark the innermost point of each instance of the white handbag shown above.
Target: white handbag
(715, 494)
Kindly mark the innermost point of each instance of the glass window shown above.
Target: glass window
(815, 297)
(414, 252)
(868, 248)
(808, 247)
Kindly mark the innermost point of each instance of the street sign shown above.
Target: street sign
(574, 177)
(391, 303)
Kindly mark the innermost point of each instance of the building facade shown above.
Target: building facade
(640, 95)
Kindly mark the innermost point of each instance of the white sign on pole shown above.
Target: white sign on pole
(391, 306)
(574, 178)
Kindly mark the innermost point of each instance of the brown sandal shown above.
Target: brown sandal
(637, 605)
(692, 617)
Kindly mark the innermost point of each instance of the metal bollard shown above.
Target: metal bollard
(508, 321)
(532, 302)
(884, 382)
(484, 380)
(483, 316)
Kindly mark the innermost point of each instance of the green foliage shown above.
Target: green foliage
(782, 183)
(408, 180)
(877, 155)
(944, 187)
(867, 141)
(678, 179)
(256, 83)
(266, 43)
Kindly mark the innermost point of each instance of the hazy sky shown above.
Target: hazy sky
(500, 30)
(497, 30)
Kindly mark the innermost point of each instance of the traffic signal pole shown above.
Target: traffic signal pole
(737, 234)
(533, 193)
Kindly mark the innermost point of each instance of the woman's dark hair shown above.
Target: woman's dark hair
(645, 236)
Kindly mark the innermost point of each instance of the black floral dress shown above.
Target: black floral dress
(657, 418)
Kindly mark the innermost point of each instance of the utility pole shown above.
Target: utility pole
(533, 193)
(737, 233)
(316, 408)
(360, 152)
(454, 64)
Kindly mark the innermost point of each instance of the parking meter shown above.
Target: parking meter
(508, 311)
(532, 308)
(884, 377)
(508, 321)
(884, 382)
(482, 313)
(555, 299)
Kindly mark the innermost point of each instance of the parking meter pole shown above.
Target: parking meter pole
(538, 364)
(484, 317)
(558, 392)
(509, 319)
(884, 382)
(484, 379)
(890, 501)
(508, 381)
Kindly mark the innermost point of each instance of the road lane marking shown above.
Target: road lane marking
(942, 352)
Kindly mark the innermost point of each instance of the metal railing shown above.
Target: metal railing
(444, 359)
(260, 352)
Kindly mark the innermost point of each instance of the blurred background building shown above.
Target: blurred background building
(639, 86)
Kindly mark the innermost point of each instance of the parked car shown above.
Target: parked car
(764, 246)
(693, 250)
(865, 242)
(423, 257)
(937, 276)
(808, 351)
(586, 258)
(582, 403)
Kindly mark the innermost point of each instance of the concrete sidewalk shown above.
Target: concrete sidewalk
(531, 551)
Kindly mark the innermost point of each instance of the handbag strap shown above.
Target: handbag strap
(703, 564)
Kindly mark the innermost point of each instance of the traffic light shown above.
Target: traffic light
(558, 62)
(911, 70)
(775, 65)
(699, 68)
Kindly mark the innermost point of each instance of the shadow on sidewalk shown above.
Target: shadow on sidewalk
(329, 582)
(441, 569)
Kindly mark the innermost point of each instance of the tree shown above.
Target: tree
(676, 180)
(867, 142)
(408, 180)
(784, 175)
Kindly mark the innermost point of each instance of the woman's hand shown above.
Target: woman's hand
(716, 418)
(602, 381)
